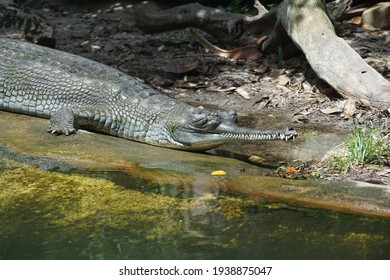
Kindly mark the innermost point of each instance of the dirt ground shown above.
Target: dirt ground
(106, 33)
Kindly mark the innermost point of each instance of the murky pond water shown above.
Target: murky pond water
(126, 200)
(110, 215)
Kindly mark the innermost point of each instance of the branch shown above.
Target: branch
(224, 26)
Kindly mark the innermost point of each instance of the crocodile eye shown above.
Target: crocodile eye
(204, 120)
(228, 115)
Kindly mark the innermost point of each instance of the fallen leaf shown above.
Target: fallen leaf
(386, 112)
(356, 20)
(241, 91)
(290, 71)
(290, 170)
(329, 111)
(284, 88)
(350, 107)
(306, 86)
(218, 173)
(226, 89)
(283, 80)
(262, 102)
(187, 84)
(365, 102)
(256, 159)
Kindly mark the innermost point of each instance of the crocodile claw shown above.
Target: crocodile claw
(59, 131)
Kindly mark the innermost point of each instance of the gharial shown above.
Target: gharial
(77, 92)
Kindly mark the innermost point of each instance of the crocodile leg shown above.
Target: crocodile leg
(62, 122)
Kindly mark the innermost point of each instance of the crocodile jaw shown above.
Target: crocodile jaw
(227, 131)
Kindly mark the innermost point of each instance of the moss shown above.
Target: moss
(362, 242)
(77, 203)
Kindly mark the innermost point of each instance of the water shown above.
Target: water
(88, 217)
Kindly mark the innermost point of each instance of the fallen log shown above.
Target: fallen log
(225, 26)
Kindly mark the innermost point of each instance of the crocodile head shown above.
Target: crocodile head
(202, 130)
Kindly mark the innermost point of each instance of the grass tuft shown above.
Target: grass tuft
(365, 146)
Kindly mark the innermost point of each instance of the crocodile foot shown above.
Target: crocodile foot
(61, 122)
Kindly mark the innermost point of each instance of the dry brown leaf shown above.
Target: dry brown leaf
(356, 20)
(284, 88)
(187, 84)
(329, 111)
(226, 89)
(306, 86)
(290, 170)
(256, 159)
(283, 80)
(241, 91)
(262, 102)
(350, 107)
(365, 102)
(290, 71)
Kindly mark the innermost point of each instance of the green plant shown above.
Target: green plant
(310, 133)
(340, 163)
(271, 7)
(19, 16)
(365, 146)
(238, 7)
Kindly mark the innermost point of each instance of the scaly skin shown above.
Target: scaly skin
(76, 92)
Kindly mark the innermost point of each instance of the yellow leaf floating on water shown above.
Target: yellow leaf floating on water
(218, 173)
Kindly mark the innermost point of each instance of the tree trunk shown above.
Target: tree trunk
(308, 25)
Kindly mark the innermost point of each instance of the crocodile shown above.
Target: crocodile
(76, 92)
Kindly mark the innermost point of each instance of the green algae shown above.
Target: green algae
(57, 215)
(365, 244)
(77, 203)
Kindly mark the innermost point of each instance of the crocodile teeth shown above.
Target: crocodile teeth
(264, 136)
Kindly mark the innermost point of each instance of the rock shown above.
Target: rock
(377, 16)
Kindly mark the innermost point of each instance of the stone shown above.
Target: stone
(378, 16)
